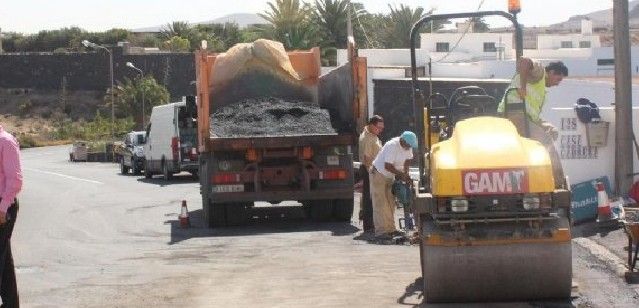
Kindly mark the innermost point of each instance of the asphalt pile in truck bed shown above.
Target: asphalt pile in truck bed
(270, 116)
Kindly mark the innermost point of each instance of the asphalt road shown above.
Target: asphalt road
(89, 237)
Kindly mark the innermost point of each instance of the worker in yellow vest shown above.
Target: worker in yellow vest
(530, 83)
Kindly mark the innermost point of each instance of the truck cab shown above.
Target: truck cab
(132, 154)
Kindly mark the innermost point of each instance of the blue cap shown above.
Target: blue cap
(410, 138)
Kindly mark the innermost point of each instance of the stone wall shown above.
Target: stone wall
(90, 71)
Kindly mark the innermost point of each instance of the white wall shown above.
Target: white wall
(553, 41)
(385, 57)
(472, 44)
(601, 93)
(600, 161)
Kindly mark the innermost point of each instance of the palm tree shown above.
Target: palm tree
(331, 16)
(176, 28)
(399, 23)
(290, 21)
(479, 24)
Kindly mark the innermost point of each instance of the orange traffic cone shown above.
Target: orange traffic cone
(185, 222)
(604, 212)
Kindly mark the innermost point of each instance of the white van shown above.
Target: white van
(171, 140)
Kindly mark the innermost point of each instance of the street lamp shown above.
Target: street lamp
(129, 64)
(96, 46)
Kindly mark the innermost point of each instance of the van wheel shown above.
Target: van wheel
(166, 175)
(147, 171)
(123, 169)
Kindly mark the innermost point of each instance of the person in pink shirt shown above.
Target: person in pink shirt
(10, 186)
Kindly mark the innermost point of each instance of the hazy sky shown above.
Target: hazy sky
(30, 16)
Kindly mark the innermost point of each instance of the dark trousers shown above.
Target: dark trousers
(366, 204)
(8, 286)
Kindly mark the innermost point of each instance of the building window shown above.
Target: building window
(566, 44)
(605, 62)
(584, 44)
(490, 47)
(442, 47)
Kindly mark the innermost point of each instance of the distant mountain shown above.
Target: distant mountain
(243, 20)
(600, 19)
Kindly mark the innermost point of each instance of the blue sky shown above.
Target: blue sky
(29, 16)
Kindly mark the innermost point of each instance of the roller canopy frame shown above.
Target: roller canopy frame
(419, 99)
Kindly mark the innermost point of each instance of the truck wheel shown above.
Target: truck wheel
(319, 211)
(135, 169)
(343, 209)
(123, 168)
(166, 175)
(235, 214)
(147, 171)
(215, 215)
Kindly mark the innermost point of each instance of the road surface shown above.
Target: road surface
(89, 237)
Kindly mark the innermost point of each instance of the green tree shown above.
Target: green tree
(220, 37)
(65, 39)
(254, 32)
(147, 40)
(291, 23)
(10, 40)
(332, 18)
(177, 44)
(480, 25)
(400, 21)
(399, 24)
(367, 30)
(128, 97)
(176, 28)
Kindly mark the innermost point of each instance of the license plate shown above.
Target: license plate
(228, 188)
(499, 181)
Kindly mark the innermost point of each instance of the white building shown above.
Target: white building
(585, 39)
(457, 47)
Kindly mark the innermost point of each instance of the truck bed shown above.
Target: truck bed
(243, 143)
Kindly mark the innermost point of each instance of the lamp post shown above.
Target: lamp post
(129, 64)
(96, 46)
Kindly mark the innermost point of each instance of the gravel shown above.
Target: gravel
(270, 116)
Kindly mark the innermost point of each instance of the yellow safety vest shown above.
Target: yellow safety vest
(535, 97)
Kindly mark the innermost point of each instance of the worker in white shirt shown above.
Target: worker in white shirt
(391, 163)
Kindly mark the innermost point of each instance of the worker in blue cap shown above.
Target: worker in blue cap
(392, 162)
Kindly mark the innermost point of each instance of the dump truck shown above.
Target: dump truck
(493, 222)
(314, 168)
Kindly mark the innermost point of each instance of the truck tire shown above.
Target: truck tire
(123, 168)
(215, 215)
(147, 172)
(134, 166)
(166, 174)
(319, 211)
(343, 209)
(235, 214)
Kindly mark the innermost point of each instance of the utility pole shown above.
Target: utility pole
(623, 99)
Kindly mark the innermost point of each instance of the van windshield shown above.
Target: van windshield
(139, 139)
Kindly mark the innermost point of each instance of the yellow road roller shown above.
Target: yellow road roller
(493, 223)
